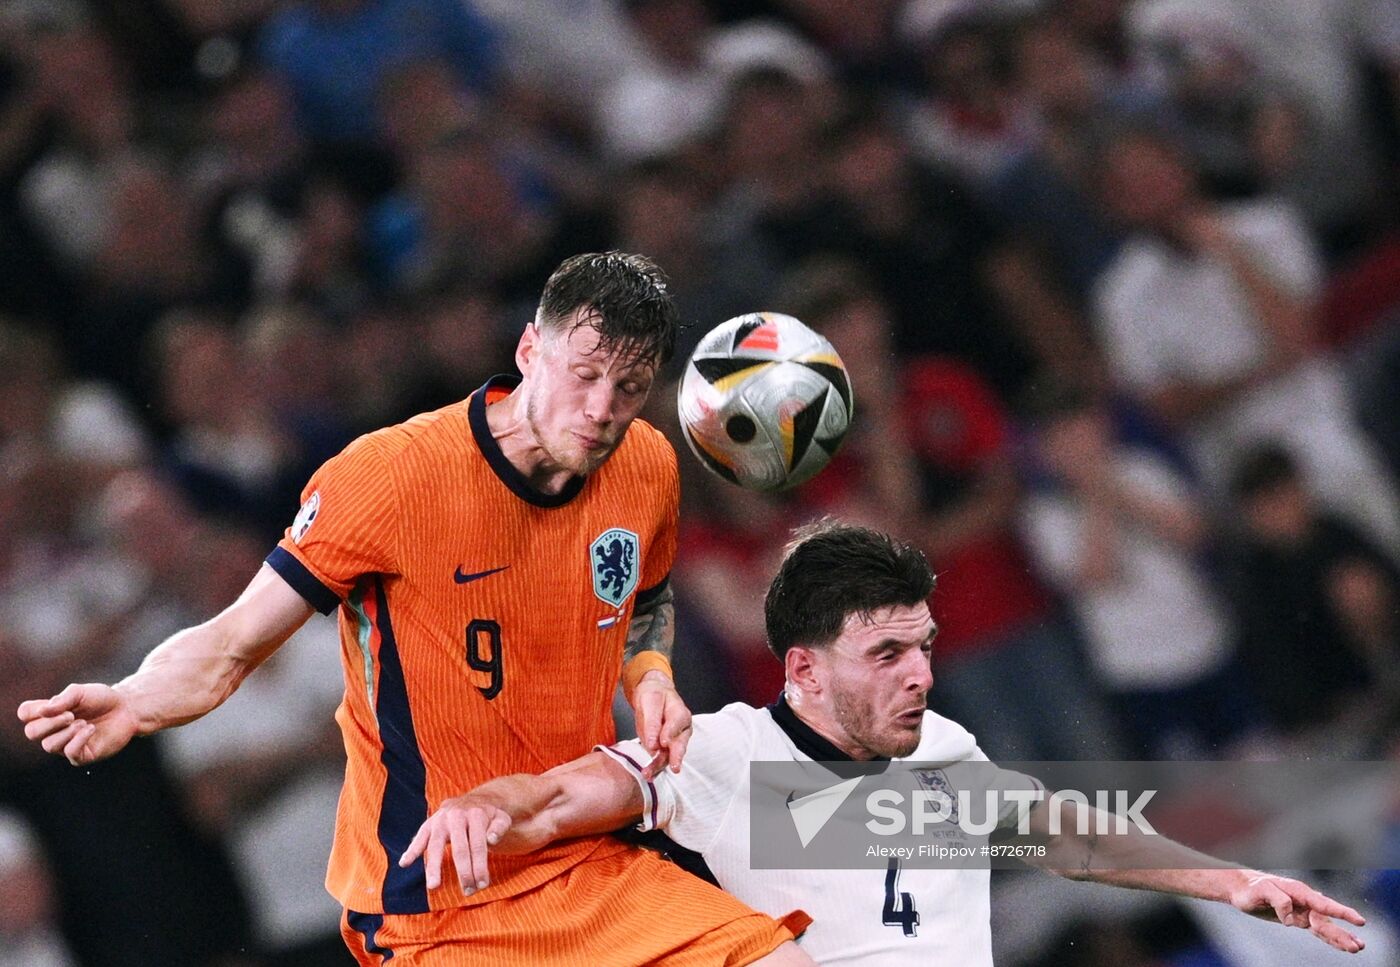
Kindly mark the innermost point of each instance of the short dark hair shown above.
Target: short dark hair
(832, 570)
(1262, 469)
(628, 298)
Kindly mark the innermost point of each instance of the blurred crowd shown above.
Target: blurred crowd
(1117, 282)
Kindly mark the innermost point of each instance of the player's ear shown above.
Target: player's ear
(528, 348)
(801, 666)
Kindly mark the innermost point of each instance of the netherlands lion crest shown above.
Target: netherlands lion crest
(613, 558)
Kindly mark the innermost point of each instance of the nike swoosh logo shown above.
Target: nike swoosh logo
(461, 578)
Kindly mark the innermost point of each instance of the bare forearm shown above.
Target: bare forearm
(1287, 318)
(535, 805)
(1133, 859)
(1043, 317)
(1169, 520)
(188, 675)
(1182, 402)
(193, 672)
(1202, 884)
(580, 798)
(1098, 560)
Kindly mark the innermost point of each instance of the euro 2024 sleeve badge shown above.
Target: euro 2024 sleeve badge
(306, 516)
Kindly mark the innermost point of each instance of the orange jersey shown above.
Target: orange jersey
(482, 626)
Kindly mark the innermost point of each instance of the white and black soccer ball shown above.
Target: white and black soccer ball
(765, 401)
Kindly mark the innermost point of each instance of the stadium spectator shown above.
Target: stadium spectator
(966, 117)
(1102, 25)
(1312, 591)
(1119, 534)
(251, 170)
(571, 51)
(733, 545)
(335, 54)
(1319, 53)
(675, 95)
(265, 776)
(28, 920)
(926, 241)
(772, 183)
(1207, 315)
(1045, 192)
(225, 449)
(88, 112)
(174, 899)
(469, 213)
(1245, 121)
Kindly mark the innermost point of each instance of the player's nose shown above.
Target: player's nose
(920, 674)
(600, 404)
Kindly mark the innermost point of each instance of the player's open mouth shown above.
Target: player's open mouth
(911, 717)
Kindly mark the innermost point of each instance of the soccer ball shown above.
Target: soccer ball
(765, 401)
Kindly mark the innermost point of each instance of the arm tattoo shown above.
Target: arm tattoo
(652, 629)
(1087, 864)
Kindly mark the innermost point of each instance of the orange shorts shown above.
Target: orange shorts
(629, 908)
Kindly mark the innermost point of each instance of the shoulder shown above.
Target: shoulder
(433, 434)
(735, 722)
(645, 456)
(1276, 235)
(645, 442)
(1138, 262)
(1263, 219)
(727, 739)
(943, 740)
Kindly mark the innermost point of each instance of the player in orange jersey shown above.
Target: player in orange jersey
(497, 566)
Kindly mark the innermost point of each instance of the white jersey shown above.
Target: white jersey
(870, 916)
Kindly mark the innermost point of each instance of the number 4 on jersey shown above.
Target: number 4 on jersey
(899, 907)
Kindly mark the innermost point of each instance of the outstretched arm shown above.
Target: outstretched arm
(1139, 861)
(522, 813)
(188, 675)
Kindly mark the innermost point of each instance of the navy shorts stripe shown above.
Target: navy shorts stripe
(405, 804)
(303, 582)
(367, 925)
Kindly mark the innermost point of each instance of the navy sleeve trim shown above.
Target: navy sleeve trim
(647, 596)
(303, 582)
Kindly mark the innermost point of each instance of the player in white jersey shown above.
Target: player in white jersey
(847, 614)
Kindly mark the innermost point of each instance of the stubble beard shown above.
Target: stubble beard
(860, 722)
(581, 464)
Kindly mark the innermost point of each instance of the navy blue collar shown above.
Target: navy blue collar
(812, 743)
(508, 473)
